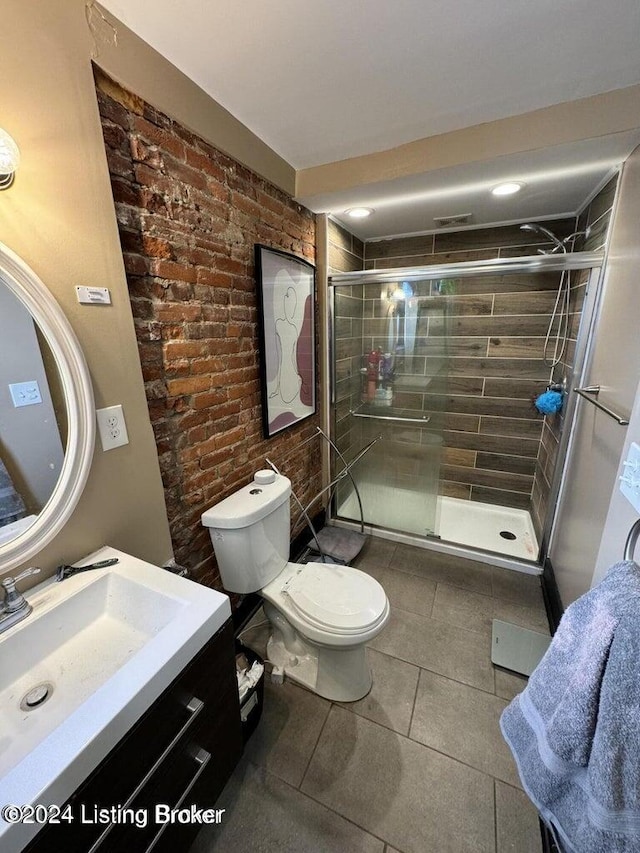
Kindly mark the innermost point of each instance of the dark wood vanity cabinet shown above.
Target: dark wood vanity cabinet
(180, 753)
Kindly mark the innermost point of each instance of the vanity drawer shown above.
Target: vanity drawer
(186, 745)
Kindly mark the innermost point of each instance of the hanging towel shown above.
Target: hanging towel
(11, 504)
(575, 729)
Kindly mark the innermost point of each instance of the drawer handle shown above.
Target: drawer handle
(202, 758)
(194, 707)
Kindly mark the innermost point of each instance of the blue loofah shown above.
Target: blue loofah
(549, 403)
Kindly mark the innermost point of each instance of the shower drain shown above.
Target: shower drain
(507, 534)
(37, 696)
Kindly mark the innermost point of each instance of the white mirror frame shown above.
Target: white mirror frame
(78, 393)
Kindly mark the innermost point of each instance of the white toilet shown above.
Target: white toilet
(321, 614)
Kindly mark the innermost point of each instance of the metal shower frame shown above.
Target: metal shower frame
(593, 261)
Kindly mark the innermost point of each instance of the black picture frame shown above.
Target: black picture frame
(286, 290)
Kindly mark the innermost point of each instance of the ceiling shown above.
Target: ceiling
(325, 81)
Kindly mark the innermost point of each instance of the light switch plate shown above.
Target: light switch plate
(25, 393)
(630, 479)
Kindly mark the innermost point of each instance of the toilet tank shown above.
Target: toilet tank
(250, 532)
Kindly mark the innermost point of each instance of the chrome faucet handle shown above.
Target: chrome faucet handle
(14, 600)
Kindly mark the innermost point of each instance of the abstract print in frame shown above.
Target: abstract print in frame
(286, 311)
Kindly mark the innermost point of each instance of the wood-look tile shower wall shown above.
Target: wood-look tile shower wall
(496, 447)
(346, 254)
(494, 334)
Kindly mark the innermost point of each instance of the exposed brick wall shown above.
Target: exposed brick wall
(188, 217)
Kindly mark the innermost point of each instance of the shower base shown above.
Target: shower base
(471, 524)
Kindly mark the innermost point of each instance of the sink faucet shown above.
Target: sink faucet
(15, 607)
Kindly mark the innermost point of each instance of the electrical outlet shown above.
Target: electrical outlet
(112, 428)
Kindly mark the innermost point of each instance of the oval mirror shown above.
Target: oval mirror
(47, 426)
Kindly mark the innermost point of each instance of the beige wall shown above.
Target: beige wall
(599, 440)
(587, 118)
(624, 265)
(59, 217)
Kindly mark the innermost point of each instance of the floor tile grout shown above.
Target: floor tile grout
(495, 814)
(314, 800)
(425, 745)
(395, 704)
(494, 779)
(447, 677)
(415, 699)
(440, 674)
(315, 746)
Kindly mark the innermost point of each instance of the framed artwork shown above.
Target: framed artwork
(286, 312)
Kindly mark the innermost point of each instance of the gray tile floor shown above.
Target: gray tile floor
(418, 765)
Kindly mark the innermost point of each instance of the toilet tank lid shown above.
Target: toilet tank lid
(248, 505)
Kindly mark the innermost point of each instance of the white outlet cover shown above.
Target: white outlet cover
(630, 477)
(112, 427)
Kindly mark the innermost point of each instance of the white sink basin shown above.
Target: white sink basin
(106, 643)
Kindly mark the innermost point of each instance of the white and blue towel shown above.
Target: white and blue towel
(575, 729)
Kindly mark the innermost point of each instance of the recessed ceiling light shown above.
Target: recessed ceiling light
(508, 188)
(359, 212)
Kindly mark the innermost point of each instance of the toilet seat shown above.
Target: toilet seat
(330, 603)
(337, 598)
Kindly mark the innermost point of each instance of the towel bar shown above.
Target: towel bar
(423, 421)
(590, 393)
(632, 538)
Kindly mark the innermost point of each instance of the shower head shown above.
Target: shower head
(538, 229)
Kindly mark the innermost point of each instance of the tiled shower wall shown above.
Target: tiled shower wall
(346, 254)
(597, 215)
(494, 336)
(497, 448)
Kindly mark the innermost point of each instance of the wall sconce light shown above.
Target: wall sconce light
(9, 159)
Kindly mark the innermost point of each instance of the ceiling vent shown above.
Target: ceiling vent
(450, 221)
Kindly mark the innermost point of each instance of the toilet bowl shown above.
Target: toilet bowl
(321, 614)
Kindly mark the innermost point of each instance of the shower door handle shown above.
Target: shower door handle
(590, 393)
(396, 418)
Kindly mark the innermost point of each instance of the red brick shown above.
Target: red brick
(174, 350)
(135, 264)
(167, 312)
(188, 237)
(156, 247)
(185, 174)
(204, 163)
(172, 270)
(159, 136)
(214, 278)
(190, 385)
(112, 111)
(230, 265)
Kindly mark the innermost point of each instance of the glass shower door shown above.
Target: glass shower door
(390, 380)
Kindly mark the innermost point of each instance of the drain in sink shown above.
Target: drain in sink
(36, 696)
(507, 534)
